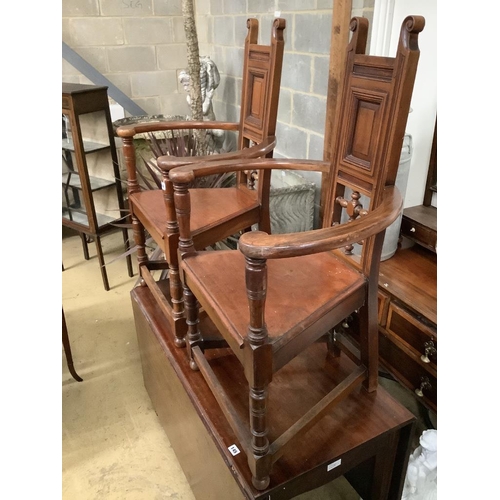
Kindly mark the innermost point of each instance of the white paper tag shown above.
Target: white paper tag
(233, 449)
(333, 465)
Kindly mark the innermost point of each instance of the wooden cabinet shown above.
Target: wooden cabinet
(407, 321)
(408, 326)
(92, 191)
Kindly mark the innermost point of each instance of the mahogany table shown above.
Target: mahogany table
(366, 438)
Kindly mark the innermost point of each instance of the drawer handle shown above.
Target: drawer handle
(430, 350)
(425, 384)
(412, 229)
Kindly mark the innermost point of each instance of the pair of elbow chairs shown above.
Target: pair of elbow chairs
(277, 294)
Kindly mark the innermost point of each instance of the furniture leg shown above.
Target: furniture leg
(67, 350)
(129, 257)
(140, 240)
(260, 463)
(192, 321)
(176, 294)
(383, 468)
(102, 264)
(85, 246)
(258, 379)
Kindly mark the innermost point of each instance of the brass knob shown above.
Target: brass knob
(345, 323)
(430, 350)
(424, 385)
(412, 230)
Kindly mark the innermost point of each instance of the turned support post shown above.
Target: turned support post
(258, 371)
(182, 203)
(133, 187)
(172, 234)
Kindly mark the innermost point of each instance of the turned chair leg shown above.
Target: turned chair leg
(140, 242)
(176, 294)
(259, 463)
(259, 354)
(192, 320)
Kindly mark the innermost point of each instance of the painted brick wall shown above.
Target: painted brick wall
(139, 45)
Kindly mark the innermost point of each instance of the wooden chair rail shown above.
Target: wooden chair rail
(166, 163)
(290, 436)
(188, 173)
(143, 128)
(259, 245)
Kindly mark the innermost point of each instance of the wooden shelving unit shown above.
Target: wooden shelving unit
(92, 191)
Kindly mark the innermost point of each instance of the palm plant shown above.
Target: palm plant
(180, 144)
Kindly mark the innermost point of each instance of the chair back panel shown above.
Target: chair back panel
(261, 83)
(370, 122)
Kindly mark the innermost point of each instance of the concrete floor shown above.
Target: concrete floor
(113, 446)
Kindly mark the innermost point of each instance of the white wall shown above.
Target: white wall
(388, 16)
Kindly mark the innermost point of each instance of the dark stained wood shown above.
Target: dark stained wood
(369, 433)
(419, 224)
(77, 100)
(408, 334)
(216, 213)
(67, 350)
(278, 294)
(407, 321)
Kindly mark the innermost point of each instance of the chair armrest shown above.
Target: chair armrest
(166, 163)
(142, 128)
(260, 245)
(188, 173)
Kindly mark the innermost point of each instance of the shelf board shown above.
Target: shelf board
(80, 217)
(88, 146)
(96, 183)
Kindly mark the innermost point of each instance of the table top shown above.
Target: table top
(360, 420)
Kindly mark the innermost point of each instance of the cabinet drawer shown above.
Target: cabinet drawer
(419, 336)
(410, 373)
(419, 233)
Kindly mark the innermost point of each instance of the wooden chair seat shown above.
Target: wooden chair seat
(217, 212)
(324, 278)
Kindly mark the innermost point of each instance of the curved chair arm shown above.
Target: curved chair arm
(188, 173)
(166, 163)
(260, 245)
(142, 128)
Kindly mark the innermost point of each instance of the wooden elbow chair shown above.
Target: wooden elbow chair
(277, 294)
(217, 212)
